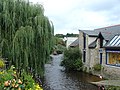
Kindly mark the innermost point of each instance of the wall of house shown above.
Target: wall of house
(87, 53)
(94, 57)
(109, 71)
(103, 56)
(91, 54)
(81, 40)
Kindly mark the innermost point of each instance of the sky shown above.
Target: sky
(70, 16)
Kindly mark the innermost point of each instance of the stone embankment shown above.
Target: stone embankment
(108, 83)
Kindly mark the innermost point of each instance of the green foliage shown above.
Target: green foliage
(26, 34)
(60, 49)
(72, 59)
(58, 41)
(11, 80)
(97, 67)
(78, 64)
(71, 35)
(60, 45)
(59, 35)
(2, 63)
(113, 88)
(29, 82)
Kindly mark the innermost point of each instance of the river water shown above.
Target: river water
(57, 79)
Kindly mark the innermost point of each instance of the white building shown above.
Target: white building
(70, 40)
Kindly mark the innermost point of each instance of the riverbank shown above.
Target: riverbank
(108, 84)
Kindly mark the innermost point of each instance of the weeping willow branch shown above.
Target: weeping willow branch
(25, 34)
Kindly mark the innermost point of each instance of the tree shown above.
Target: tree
(26, 34)
(59, 35)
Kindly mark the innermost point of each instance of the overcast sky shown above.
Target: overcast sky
(70, 15)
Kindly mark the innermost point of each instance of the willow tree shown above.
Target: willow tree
(25, 34)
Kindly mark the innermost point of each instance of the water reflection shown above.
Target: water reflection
(57, 79)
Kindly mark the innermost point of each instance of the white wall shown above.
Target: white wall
(70, 40)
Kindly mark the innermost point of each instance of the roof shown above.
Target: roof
(114, 42)
(109, 32)
(108, 27)
(75, 43)
(90, 32)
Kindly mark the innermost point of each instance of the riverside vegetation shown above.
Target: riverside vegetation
(26, 36)
(72, 59)
(11, 80)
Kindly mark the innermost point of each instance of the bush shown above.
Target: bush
(11, 80)
(97, 67)
(59, 49)
(72, 59)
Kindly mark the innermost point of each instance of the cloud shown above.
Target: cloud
(101, 5)
(70, 15)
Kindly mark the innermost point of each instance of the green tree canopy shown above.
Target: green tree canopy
(25, 34)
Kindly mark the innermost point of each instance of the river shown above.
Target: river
(57, 79)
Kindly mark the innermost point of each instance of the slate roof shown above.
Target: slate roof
(75, 43)
(109, 32)
(90, 32)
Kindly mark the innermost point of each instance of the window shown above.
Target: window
(84, 47)
(84, 40)
(113, 58)
(100, 58)
(84, 56)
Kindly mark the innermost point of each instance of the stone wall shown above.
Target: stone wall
(91, 54)
(111, 72)
(94, 58)
(81, 40)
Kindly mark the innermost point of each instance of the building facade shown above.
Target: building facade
(101, 46)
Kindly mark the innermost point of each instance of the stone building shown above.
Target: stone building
(101, 46)
(86, 37)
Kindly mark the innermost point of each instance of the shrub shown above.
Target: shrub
(11, 80)
(72, 59)
(97, 67)
(78, 64)
(59, 49)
